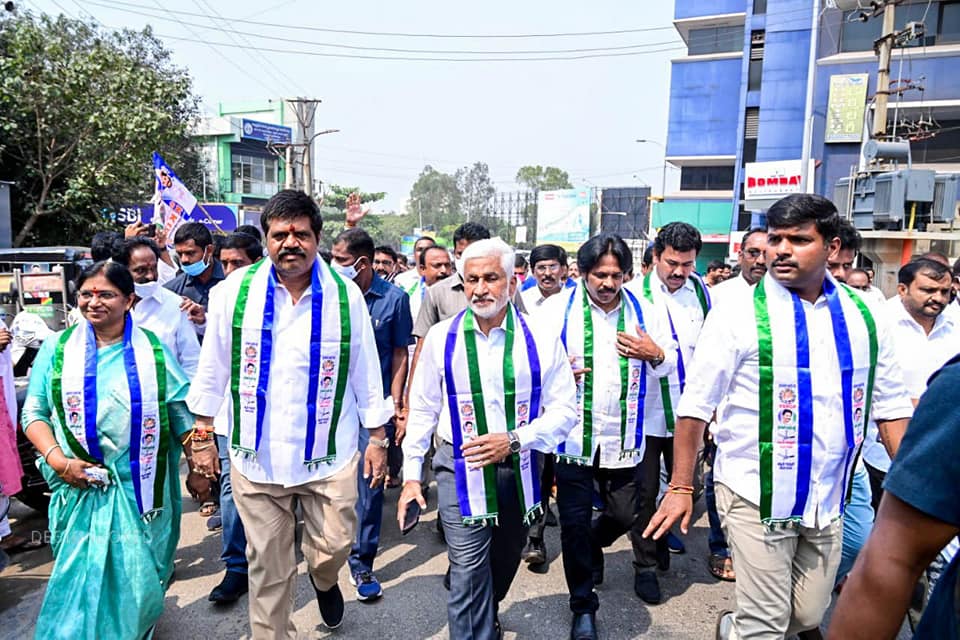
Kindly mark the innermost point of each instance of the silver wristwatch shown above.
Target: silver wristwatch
(377, 442)
(514, 441)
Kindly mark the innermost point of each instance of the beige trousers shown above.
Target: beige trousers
(268, 512)
(784, 576)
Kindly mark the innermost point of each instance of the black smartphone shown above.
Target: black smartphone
(411, 517)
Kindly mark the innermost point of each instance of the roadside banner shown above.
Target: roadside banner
(563, 217)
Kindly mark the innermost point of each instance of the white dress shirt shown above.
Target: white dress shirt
(280, 459)
(724, 375)
(406, 279)
(428, 396)
(729, 288)
(160, 313)
(606, 371)
(919, 356)
(687, 315)
(165, 273)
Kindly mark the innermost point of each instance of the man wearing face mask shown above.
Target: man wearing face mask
(353, 254)
(154, 307)
(200, 272)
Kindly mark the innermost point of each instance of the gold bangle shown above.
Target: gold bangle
(66, 468)
(50, 450)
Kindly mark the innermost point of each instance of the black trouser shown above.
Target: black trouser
(655, 447)
(546, 487)
(582, 540)
(876, 486)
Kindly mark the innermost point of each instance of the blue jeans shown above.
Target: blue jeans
(857, 521)
(369, 513)
(483, 560)
(716, 540)
(234, 539)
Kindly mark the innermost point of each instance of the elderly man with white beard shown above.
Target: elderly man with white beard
(497, 396)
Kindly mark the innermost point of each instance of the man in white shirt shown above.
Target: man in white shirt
(239, 250)
(491, 419)
(156, 308)
(681, 298)
(752, 261)
(434, 265)
(617, 344)
(292, 441)
(925, 339)
(406, 279)
(548, 264)
(787, 435)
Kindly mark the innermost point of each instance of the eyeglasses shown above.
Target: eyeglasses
(754, 253)
(104, 296)
(547, 268)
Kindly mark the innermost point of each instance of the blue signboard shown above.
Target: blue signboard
(224, 215)
(256, 130)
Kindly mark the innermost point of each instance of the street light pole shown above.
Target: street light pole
(663, 179)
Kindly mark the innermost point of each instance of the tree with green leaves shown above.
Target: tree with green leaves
(81, 110)
(537, 178)
(476, 190)
(335, 196)
(435, 198)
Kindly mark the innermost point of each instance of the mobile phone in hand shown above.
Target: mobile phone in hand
(411, 517)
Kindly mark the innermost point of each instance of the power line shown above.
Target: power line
(334, 45)
(324, 54)
(232, 62)
(269, 62)
(117, 3)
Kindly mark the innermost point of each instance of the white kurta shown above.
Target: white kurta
(280, 459)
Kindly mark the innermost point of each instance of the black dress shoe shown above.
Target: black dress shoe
(647, 587)
(446, 579)
(233, 585)
(597, 561)
(535, 553)
(584, 627)
(331, 605)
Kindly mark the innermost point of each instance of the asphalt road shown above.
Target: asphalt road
(414, 604)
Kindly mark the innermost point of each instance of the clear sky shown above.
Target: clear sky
(396, 116)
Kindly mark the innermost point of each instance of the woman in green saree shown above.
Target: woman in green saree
(105, 407)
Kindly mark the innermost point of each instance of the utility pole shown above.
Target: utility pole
(885, 49)
(807, 140)
(305, 110)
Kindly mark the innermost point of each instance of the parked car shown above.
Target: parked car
(36, 296)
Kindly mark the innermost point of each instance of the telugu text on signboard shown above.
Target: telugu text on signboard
(845, 107)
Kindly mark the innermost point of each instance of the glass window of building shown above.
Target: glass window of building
(940, 19)
(715, 40)
(706, 178)
(254, 175)
(949, 29)
(759, 7)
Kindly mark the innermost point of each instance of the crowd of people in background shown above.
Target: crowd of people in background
(304, 382)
